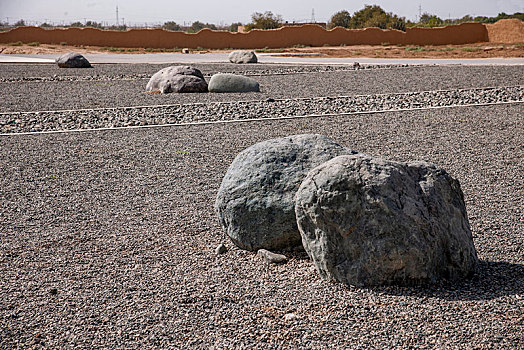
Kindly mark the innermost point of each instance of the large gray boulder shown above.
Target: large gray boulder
(368, 222)
(243, 56)
(73, 60)
(255, 202)
(177, 79)
(225, 82)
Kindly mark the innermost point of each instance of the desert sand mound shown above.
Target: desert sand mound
(506, 31)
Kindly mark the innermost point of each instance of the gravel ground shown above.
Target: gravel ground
(127, 89)
(107, 238)
(108, 241)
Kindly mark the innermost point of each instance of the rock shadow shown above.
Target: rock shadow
(493, 279)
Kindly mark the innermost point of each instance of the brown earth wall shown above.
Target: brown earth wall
(312, 35)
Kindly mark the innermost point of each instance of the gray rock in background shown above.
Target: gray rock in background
(368, 222)
(73, 60)
(243, 56)
(255, 202)
(177, 79)
(225, 82)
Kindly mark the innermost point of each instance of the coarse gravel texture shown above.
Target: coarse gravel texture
(228, 111)
(108, 239)
(50, 72)
(129, 89)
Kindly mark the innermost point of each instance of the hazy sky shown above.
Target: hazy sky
(228, 11)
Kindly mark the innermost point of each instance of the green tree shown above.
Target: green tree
(428, 20)
(234, 27)
(340, 19)
(375, 16)
(93, 24)
(170, 25)
(266, 20)
(20, 23)
(196, 26)
(76, 24)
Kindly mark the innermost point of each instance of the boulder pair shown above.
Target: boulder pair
(362, 220)
(182, 79)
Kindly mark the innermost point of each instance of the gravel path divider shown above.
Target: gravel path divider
(23, 122)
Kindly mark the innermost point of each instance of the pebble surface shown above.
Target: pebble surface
(108, 239)
(130, 91)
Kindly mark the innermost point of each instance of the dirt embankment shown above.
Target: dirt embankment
(506, 31)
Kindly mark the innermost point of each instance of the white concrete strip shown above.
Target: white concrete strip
(259, 119)
(24, 59)
(222, 57)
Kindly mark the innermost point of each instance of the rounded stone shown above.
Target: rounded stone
(226, 82)
(72, 60)
(255, 202)
(367, 222)
(243, 56)
(177, 79)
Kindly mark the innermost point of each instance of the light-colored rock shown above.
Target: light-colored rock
(290, 317)
(243, 56)
(73, 60)
(272, 258)
(255, 202)
(177, 79)
(220, 249)
(369, 222)
(225, 82)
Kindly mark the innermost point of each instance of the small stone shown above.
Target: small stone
(177, 79)
(221, 249)
(290, 317)
(270, 100)
(53, 291)
(225, 82)
(243, 56)
(272, 258)
(356, 65)
(185, 50)
(73, 60)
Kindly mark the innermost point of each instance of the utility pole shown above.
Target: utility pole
(313, 16)
(117, 15)
(419, 12)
